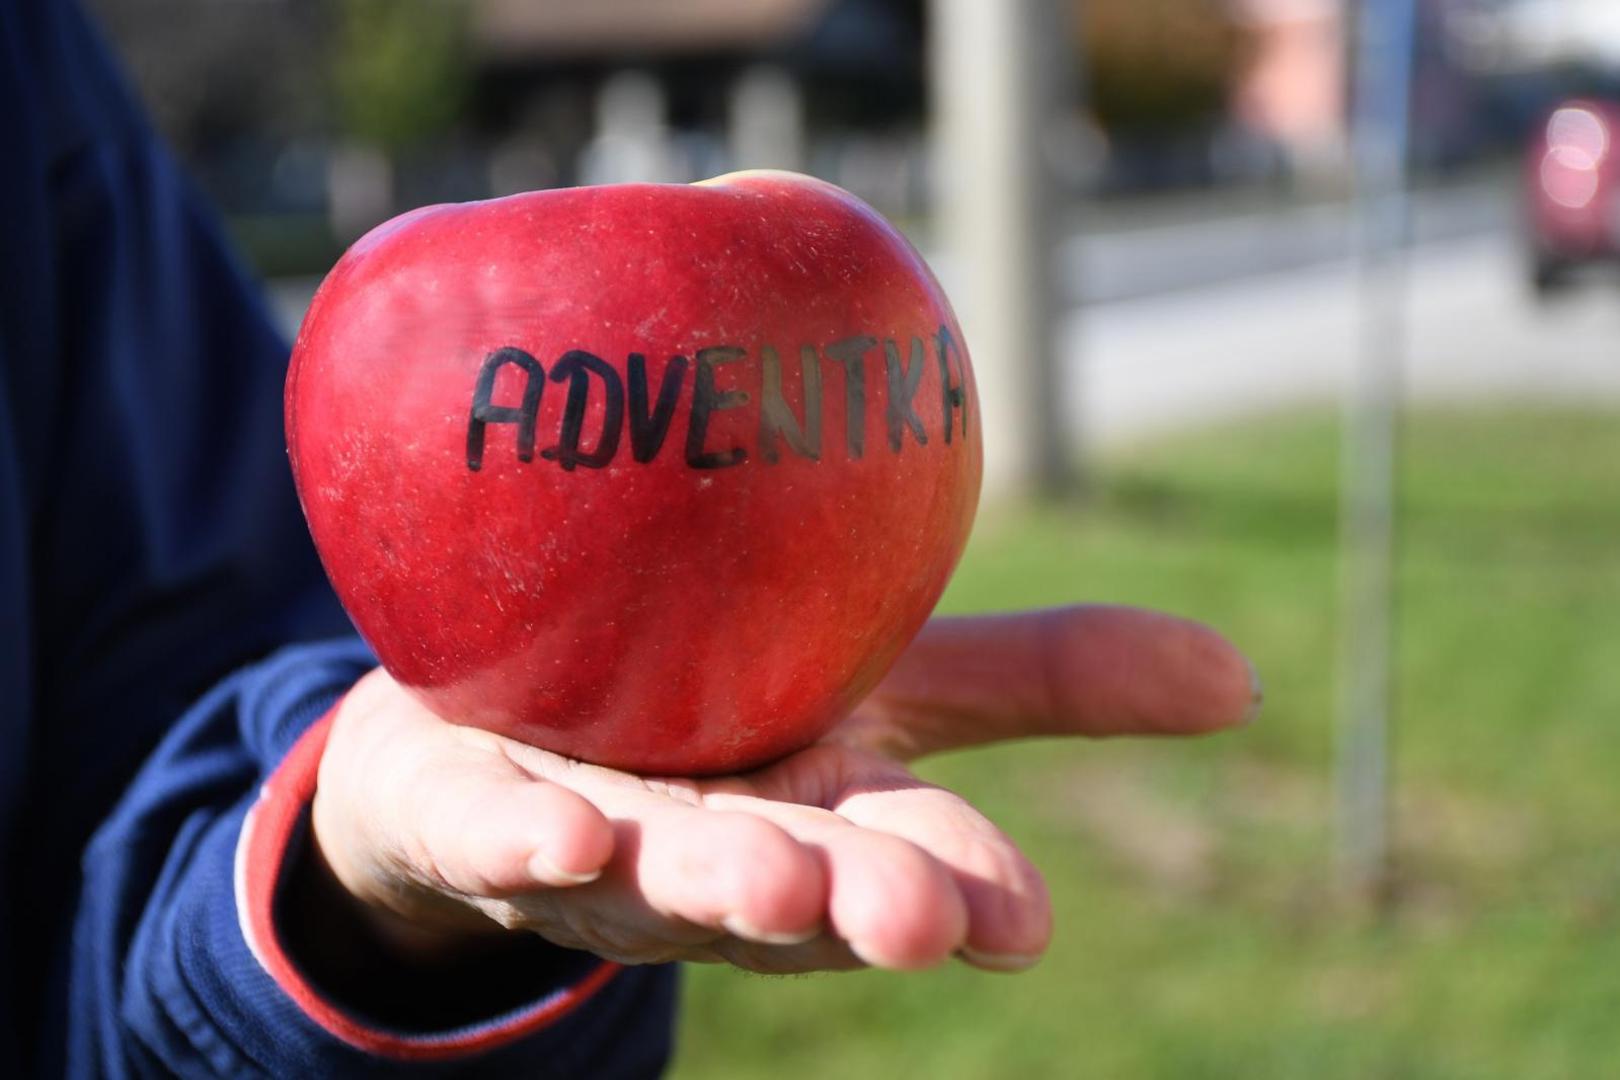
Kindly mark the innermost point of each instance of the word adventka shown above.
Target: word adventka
(628, 402)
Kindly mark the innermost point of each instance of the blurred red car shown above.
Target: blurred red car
(1573, 182)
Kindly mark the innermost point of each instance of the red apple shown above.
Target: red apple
(660, 477)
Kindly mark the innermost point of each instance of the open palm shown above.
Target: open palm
(834, 857)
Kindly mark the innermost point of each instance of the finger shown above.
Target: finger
(1087, 670)
(679, 867)
(1009, 910)
(728, 872)
(484, 832)
(450, 804)
(890, 902)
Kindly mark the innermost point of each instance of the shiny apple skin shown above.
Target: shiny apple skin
(653, 615)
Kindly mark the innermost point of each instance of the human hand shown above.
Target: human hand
(834, 857)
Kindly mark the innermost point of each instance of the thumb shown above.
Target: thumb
(1085, 670)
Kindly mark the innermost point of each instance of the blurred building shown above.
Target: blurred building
(343, 111)
(308, 120)
(642, 89)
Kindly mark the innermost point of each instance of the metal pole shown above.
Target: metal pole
(994, 79)
(1383, 79)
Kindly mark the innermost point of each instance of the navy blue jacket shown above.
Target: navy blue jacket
(153, 570)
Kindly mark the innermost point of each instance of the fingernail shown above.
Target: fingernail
(543, 869)
(740, 927)
(867, 957)
(999, 961)
(1257, 695)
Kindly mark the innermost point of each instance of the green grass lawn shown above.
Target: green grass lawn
(1198, 933)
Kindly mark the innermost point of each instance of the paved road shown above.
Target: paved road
(1137, 250)
(1201, 355)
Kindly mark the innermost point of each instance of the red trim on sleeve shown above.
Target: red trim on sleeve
(260, 852)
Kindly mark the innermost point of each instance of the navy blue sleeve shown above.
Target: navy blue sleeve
(172, 882)
(152, 556)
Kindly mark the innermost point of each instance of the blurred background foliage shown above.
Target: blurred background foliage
(400, 70)
(1158, 67)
